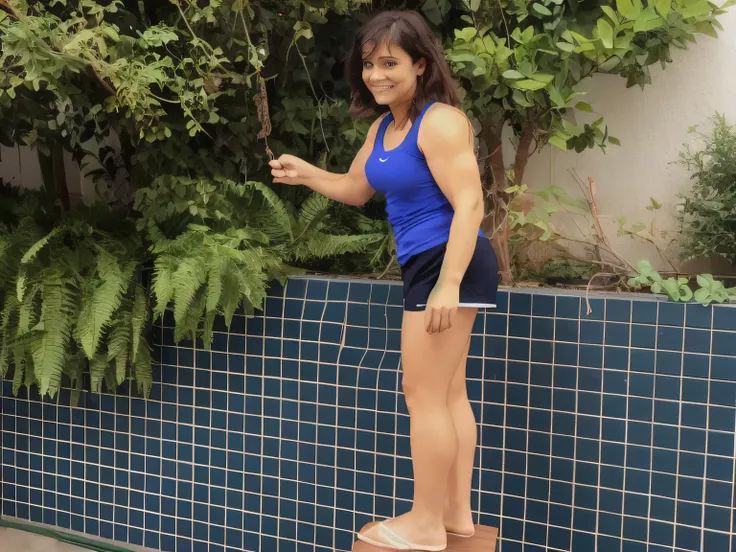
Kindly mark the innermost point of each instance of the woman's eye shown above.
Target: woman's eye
(366, 65)
(390, 63)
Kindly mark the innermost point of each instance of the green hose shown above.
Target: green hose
(63, 537)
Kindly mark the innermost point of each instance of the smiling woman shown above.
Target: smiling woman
(419, 153)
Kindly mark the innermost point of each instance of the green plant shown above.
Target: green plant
(707, 291)
(708, 212)
(523, 65)
(72, 302)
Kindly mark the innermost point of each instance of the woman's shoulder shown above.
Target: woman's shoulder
(440, 113)
(442, 121)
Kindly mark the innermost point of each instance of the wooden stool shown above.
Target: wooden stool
(484, 540)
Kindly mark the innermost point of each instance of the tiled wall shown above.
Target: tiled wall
(612, 431)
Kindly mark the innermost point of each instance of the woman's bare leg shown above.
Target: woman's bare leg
(458, 515)
(430, 361)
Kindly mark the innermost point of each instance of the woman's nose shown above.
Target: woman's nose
(375, 75)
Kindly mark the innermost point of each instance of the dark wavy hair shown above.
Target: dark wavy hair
(409, 31)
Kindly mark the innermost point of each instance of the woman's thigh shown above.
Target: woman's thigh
(429, 361)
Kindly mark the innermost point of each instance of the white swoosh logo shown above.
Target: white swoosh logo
(383, 160)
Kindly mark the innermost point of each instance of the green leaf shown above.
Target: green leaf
(436, 10)
(557, 98)
(582, 106)
(663, 7)
(545, 78)
(648, 21)
(605, 31)
(565, 46)
(528, 84)
(615, 141)
(695, 10)
(512, 74)
(558, 142)
(627, 9)
(611, 14)
(541, 10)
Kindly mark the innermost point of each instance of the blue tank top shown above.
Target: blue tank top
(418, 210)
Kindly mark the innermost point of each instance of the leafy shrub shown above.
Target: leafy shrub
(708, 212)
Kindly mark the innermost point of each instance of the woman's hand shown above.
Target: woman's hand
(288, 169)
(441, 307)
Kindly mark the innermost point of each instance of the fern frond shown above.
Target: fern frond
(138, 319)
(119, 343)
(207, 326)
(312, 211)
(186, 326)
(8, 330)
(214, 283)
(100, 303)
(97, 369)
(163, 287)
(19, 368)
(327, 245)
(30, 378)
(29, 310)
(188, 280)
(142, 368)
(230, 298)
(40, 244)
(50, 348)
(73, 370)
(281, 216)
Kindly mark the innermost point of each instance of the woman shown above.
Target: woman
(420, 154)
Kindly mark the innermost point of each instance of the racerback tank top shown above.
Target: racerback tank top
(418, 210)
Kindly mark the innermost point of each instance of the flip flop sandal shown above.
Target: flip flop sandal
(389, 539)
(461, 535)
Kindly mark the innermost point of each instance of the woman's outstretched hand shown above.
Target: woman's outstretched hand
(286, 169)
(441, 307)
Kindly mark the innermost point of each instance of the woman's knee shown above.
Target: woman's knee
(419, 392)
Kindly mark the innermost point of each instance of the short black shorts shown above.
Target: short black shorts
(477, 289)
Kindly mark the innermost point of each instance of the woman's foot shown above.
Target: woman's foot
(459, 521)
(406, 532)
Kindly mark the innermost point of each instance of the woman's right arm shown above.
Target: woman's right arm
(351, 188)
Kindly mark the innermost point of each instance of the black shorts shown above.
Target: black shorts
(477, 289)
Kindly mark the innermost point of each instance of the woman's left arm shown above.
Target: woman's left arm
(446, 138)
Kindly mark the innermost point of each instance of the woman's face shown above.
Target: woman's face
(389, 73)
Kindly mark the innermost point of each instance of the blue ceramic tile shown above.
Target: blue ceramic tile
(724, 317)
(496, 324)
(520, 303)
(591, 331)
(591, 356)
(671, 314)
(566, 330)
(597, 309)
(616, 358)
(669, 363)
(543, 305)
(643, 336)
(644, 312)
(618, 310)
(567, 307)
(724, 343)
(519, 326)
(669, 339)
(566, 353)
(723, 393)
(716, 541)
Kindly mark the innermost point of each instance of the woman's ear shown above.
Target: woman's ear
(421, 67)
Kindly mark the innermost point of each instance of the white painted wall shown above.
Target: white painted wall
(652, 125)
